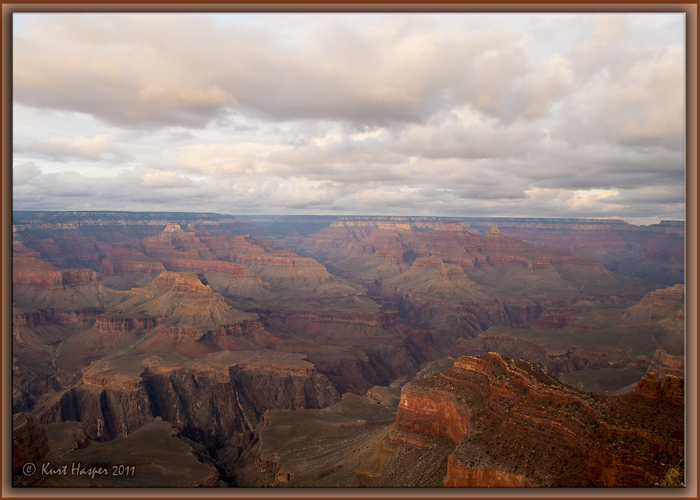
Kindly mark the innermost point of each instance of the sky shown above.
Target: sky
(450, 114)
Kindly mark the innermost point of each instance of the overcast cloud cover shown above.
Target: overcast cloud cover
(537, 115)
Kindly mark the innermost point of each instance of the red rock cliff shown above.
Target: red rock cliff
(430, 413)
(514, 425)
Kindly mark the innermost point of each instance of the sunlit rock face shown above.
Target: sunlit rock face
(516, 426)
(430, 413)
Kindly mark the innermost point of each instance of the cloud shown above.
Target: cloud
(115, 68)
(438, 114)
(180, 135)
(148, 189)
(24, 172)
(79, 148)
(123, 69)
(466, 134)
(219, 158)
(587, 197)
(632, 95)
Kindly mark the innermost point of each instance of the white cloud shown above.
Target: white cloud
(24, 172)
(587, 197)
(80, 148)
(533, 114)
(220, 158)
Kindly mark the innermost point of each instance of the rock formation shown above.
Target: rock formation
(491, 421)
(494, 233)
(493, 266)
(152, 456)
(665, 363)
(334, 446)
(433, 413)
(450, 226)
(523, 428)
(126, 267)
(241, 345)
(29, 446)
(40, 285)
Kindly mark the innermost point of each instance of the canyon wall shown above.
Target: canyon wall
(527, 429)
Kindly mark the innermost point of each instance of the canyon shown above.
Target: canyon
(464, 352)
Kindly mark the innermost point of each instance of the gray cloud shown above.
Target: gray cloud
(540, 115)
(142, 71)
(146, 189)
(24, 172)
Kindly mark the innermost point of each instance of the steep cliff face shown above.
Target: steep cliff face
(525, 428)
(490, 421)
(671, 389)
(115, 324)
(108, 408)
(283, 387)
(665, 302)
(66, 247)
(29, 441)
(355, 350)
(208, 409)
(126, 267)
(665, 363)
(78, 318)
(30, 271)
(467, 319)
(215, 399)
(433, 413)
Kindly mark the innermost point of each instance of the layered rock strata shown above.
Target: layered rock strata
(665, 363)
(433, 413)
(40, 285)
(525, 428)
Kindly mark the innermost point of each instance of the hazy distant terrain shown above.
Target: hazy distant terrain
(346, 351)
